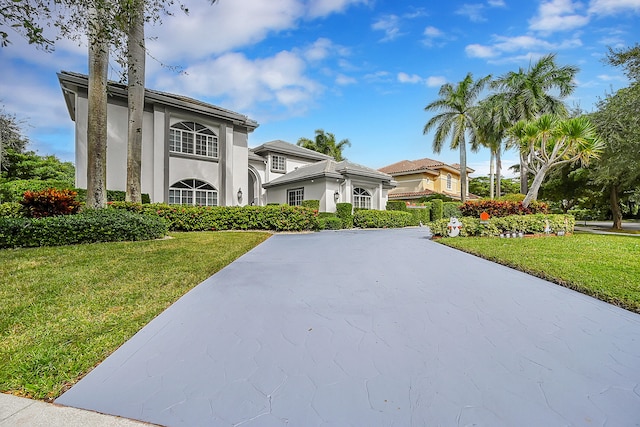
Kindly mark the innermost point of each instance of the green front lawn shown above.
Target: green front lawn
(606, 267)
(65, 309)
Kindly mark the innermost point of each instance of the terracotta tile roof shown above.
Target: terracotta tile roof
(412, 165)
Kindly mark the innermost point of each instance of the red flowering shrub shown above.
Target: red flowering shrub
(501, 208)
(49, 202)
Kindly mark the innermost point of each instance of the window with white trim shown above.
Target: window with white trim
(449, 185)
(193, 192)
(295, 196)
(278, 163)
(193, 138)
(361, 198)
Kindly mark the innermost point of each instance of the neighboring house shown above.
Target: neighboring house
(194, 153)
(424, 177)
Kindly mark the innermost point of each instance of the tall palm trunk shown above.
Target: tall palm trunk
(97, 113)
(463, 170)
(498, 172)
(524, 176)
(492, 174)
(136, 82)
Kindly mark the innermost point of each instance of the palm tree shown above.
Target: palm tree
(551, 141)
(527, 94)
(325, 143)
(456, 118)
(492, 126)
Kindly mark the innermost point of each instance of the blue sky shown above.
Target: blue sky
(361, 69)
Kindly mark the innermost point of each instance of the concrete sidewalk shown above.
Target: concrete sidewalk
(18, 411)
(373, 328)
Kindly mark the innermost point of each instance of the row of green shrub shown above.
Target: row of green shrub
(200, 218)
(429, 211)
(89, 226)
(13, 191)
(528, 224)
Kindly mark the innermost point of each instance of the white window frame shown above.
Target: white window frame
(361, 198)
(278, 163)
(193, 192)
(449, 182)
(194, 139)
(295, 196)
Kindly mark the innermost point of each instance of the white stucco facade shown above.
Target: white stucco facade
(197, 153)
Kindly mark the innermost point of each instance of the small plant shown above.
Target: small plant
(50, 202)
(437, 209)
(344, 211)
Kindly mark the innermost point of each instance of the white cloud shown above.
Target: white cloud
(406, 78)
(610, 78)
(480, 51)
(472, 11)
(496, 3)
(436, 81)
(390, 25)
(320, 8)
(243, 83)
(612, 7)
(558, 15)
(433, 32)
(344, 80)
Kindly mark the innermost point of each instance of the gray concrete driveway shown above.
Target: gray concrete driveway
(373, 328)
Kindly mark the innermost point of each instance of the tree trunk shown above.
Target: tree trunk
(614, 201)
(463, 170)
(532, 194)
(136, 56)
(492, 174)
(97, 114)
(498, 172)
(524, 176)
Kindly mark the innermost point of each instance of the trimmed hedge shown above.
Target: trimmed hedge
(200, 218)
(101, 225)
(329, 223)
(11, 210)
(450, 209)
(396, 205)
(501, 208)
(382, 219)
(344, 211)
(421, 214)
(528, 224)
(13, 191)
(312, 204)
(112, 196)
(437, 208)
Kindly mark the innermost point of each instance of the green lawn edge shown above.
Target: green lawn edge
(65, 309)
(605, 267)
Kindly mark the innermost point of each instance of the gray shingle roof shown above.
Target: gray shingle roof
(283, 147)
(329, 169)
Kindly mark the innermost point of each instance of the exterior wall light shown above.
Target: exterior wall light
(336, 196)
(239, 195)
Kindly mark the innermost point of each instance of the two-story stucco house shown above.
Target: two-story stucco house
(424, 177)
(194, 153)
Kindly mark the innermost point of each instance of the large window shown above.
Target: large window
(193, 138)
(361, 198)
(449, 181)
(278, 163)
(193, 192)
(295, 196)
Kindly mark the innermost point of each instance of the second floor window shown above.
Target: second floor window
(449, 181)
(278, 163)
(193, 138)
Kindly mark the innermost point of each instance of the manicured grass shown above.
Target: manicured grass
(65, 309)
(604, 266)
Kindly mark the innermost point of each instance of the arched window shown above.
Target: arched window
(193, 138)
(449, 185)
(193, 192)
(361, 198)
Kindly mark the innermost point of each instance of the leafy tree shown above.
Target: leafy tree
(456, 118)
(569, 186)
(29, 165)
(549, 142)
(325, 143)
(481, 186)
(527, 94)
(11, 137)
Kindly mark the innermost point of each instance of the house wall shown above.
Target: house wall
(317, 189)
(161, 169)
